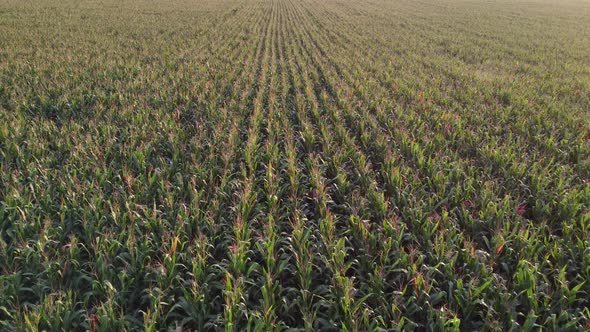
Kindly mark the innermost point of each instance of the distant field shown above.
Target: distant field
(294, 164)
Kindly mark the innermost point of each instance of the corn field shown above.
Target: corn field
(300, 165)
